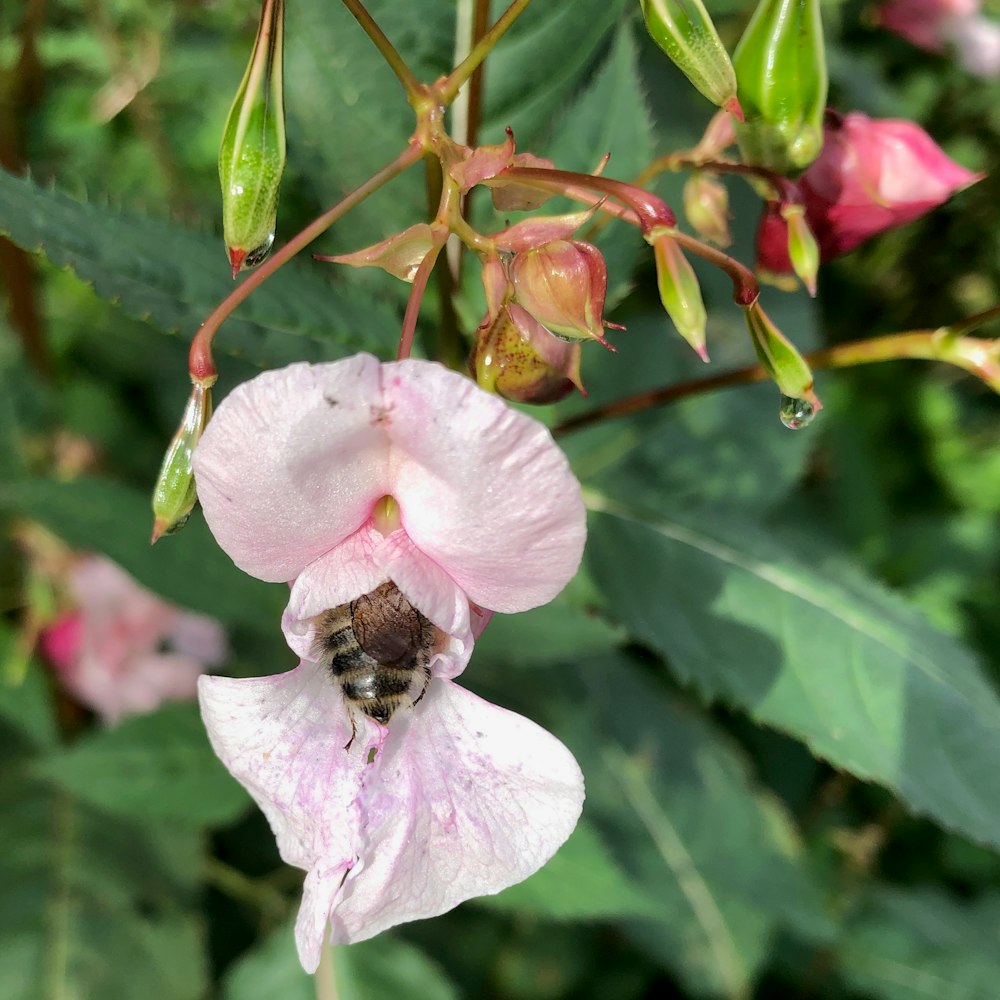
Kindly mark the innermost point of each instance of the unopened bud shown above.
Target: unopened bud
(781, 68)
(252, 155)
(789, 370)
(563, 285)
(517, 358)
(680, 292)
(803, 251)
(706, 205)
(400, 255)
(175, 494)
(684, 30)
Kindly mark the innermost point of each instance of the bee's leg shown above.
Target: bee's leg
(354, 730)
(423, 690)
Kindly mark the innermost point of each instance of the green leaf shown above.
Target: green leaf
(92, 906)
(808, 645)
(385, 968)
(25, 701)
(675, 803)
(158, 766)
(187, 568)
(920, 944)
(582, 882)
(174, 278)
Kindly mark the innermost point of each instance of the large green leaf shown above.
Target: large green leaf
(92, 906)
(187, 568)
(808, 645)
(174, 278)
(920, 944)
(384, 968)
(675, 803)
(154, 767)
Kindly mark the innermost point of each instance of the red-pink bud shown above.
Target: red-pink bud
(563, 285)
(517, 358)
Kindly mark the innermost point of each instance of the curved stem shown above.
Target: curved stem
(396, 62)
(201, 365)
(977, 356)
(453, 83)
(745, 286)
(416, 297)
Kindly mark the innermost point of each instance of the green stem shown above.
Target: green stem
(396, 62)
(453, 83)
(201, 365)
(978, 357)
(325, 979)
(236, 885)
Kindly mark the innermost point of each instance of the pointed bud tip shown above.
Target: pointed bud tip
(160, 527)
(732, 105)
(702, 351)
(236, 258)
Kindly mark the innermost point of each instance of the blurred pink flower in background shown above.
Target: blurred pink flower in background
(124, 651)
(872, 175)
(343, 477)
(941, 26)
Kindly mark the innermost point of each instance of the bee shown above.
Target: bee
(378, 648)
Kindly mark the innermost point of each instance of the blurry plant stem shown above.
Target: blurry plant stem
(396, 62)
(978, 356)
(325, 978)
(231, 882)
(201, 365)
(464, 70)
(417, 289)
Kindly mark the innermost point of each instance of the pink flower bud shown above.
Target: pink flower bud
(706, 205)
(923, 23)
(873, 175)
(563, 285)
(517, 358)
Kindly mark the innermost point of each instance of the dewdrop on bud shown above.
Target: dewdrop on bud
(252, 155)
(175, 495)
(680, 292)
(684, 30)
(789, 370)
(781, 68)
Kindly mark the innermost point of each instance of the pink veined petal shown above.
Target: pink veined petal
(292, 463)
(470, 799)
(283, 739)
(482, 489)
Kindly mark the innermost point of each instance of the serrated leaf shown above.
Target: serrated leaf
(675, 803)
(920, 944)
(188, 568)
(385, 968)
(814, 649)
(153, 767)
(581, 882)
(174, 278)
(89, 907)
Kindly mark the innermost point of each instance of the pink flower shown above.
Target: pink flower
(873, 174)
(123, 650)
(454, 797)
(924, 23)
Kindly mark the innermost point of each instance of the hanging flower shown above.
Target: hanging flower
(121, 650)
(355, 479)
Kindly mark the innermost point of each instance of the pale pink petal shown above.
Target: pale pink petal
(977, 44)
(470, 799)
(200, 638)
(148, 682)
(283, 739)
(482, 489)
(292, 463)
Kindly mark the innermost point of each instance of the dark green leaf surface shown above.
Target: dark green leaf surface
(174, 278)
(188, 568)
(816, 650)
(151, 767)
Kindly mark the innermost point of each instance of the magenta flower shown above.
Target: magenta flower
(873, 175)
(124, 651)
(345, 477)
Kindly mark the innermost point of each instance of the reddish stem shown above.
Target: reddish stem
(416, 297)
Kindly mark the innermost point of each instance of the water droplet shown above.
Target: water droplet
(796, 413)
(259, 254)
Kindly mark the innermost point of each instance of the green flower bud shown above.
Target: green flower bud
(781, 360)
(684, 30)
(174, 495)
(252, 156)
(781, 68)
(803, 250)
(680, 292)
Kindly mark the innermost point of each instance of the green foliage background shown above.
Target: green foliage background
(777, 667)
